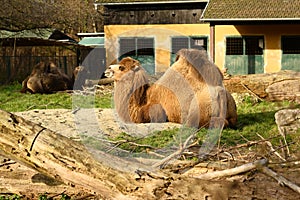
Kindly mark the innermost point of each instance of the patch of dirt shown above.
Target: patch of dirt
(90, 122)
(19, 179)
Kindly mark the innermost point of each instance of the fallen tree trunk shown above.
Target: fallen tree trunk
(60, 158)
(233, 171)
(103, 81)
(281, 180)
(283, 85)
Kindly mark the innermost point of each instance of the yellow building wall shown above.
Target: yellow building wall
(272, 36)
(162, 35)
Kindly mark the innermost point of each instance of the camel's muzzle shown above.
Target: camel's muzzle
(109, 73)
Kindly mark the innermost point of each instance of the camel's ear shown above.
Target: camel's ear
(136, 67)
(136, 63)
(121, 68)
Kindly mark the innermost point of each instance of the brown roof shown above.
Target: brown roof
(112, 2)
(129, 1)
(219, 10)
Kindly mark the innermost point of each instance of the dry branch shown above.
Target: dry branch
(234, 171)
(59, 157)
(105, 81)
(281, 180)
(271, 147)
(176, 154)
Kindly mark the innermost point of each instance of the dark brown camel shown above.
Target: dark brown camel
(47, 78)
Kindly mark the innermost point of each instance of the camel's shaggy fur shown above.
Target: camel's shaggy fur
(190, 92)
(46, 77)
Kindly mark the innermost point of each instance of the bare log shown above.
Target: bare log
(278, 86)
(234, 171)
(60, 158)
(281, 180)
(105, 81)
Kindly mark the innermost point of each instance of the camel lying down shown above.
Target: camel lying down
(46, 77)
(190, 92)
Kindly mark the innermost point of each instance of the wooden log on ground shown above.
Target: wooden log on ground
(283, 85)
(280, 179)
(103, 81)
(60, 158)
(233, 171)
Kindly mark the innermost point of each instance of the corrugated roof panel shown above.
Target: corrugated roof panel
(35, 33)
(92, 41)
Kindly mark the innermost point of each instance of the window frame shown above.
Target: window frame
(189, 43)
(247, 47)
(291, 46)
(144, 56)
(135, 51)
(173, 51)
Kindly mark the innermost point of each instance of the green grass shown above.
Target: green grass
(12, 100)
(253, 118)
(10, 197)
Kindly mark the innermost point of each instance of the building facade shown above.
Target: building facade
(254, 36)
(153, 32)
(244, 36)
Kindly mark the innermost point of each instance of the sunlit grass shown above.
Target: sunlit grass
(255, 120)
(13, 101)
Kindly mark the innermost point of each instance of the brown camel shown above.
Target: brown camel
(47, 78)
(190, 92)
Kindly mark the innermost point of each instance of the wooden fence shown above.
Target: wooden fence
(17, 68)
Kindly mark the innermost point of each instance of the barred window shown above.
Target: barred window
(127, 47)
(248, 45)
(254, 45)
(136, 46)
(198, 43)
(141, 49)
(290, 44)
(179, 43)
(234, 46)
(145, 46)
(188, 43)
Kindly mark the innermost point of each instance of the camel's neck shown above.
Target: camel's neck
(130, 94)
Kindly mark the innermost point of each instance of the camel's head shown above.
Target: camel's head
(78, 70)
(124, 66)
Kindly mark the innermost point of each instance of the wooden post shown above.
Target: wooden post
(212, 42)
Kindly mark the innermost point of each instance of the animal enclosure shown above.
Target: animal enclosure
(17, 62)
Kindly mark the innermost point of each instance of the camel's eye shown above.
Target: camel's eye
(121, 68)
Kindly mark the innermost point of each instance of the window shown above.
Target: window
(136, 46)
(141, 49)
(145, 46)
(198, 43)
(244, 55)
(290, 45)
(188, 43)
(248, 45)
(234, 46)
(179, 43)
(254, 45)
(290, 59)
(127, 47)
